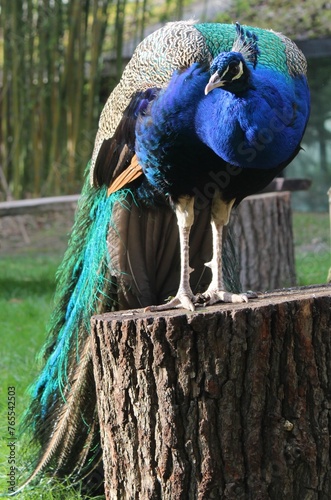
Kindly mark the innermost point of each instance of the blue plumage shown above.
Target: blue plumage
(208, 109)
(89, 282)
(253, 122)
(242, 113)
(260, 127)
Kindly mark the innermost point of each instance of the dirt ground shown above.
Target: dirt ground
(43, 233)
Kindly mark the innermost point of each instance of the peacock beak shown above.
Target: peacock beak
(214, 82)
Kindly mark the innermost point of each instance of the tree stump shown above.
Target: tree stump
(262, 235)
(227, 402)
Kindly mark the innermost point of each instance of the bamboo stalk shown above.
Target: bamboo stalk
(99, 24)
(39, 129)
(70, 84)
(29, 90)
(58, 102)
(55, 101)
(77, 97)
(329, 194)
(119, 30)
(48, 108)
(16, 104)
(5, 93)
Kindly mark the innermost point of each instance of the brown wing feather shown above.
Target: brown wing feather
(68, 428)
(116, 153)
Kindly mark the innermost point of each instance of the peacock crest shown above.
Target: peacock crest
(246, 43)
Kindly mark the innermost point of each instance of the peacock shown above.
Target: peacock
(203, 116)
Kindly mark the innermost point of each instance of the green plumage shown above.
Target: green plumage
(62, 412)
(277, 51)
(220, 37)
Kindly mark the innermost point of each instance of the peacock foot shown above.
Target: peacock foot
(182, 299)
(213, 296)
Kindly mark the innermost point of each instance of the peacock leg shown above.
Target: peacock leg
(184, 298)
(220, 215)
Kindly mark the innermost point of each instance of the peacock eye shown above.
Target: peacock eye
(234, 70)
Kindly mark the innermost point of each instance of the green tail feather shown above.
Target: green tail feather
(84, 288)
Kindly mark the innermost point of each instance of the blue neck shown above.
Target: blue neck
(259, 128)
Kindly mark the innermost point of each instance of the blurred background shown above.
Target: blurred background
(59, 60)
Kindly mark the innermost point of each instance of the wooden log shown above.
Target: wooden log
(285, 184)
(37, 205)
(263, 241)
(228, 402)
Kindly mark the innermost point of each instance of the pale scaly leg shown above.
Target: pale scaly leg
(220, 216)
(184, 298)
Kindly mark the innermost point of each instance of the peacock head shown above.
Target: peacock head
(229, 71)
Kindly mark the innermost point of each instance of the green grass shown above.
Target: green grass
(46, 491)
(312, 247)
(27, 286)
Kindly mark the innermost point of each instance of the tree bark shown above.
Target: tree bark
(263, 241)
(228, 402)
